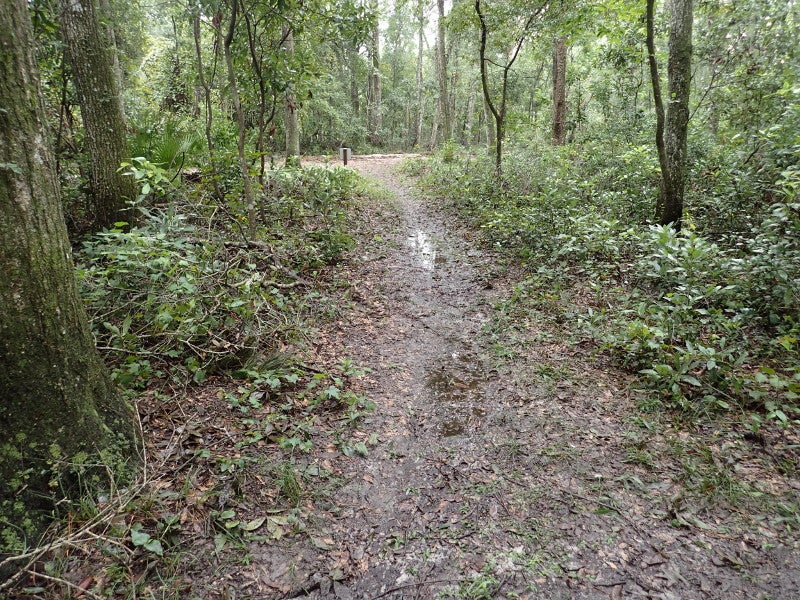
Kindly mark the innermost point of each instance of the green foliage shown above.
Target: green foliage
(168, 298)
(311, 202)
(709, 324)
(167, 143)
(150, 178)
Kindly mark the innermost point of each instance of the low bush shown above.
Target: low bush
(708, 321)
(180, 296)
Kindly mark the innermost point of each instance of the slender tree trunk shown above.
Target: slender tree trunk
(244, 168)
(491, 134)
(499, 112)
(256, 61)
(441, 72)
(435, 125)
(420, 88)
(672, 126)
(92, 63)
(374, 119)
(560, 92)
(354, 91)
(469, 117)
(291, 123)
(59, 410)
(209, 111)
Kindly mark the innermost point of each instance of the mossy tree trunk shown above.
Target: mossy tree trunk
(59, 409)
(672, 123)
(91, 59)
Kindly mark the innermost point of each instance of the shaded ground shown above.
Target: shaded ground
(518, 469)
(501, 460)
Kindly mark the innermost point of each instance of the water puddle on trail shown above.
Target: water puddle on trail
(457, 387)
(424, 249)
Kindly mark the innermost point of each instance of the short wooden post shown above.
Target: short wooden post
(344, 154)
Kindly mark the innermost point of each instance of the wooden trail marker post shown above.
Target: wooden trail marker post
(345, 154)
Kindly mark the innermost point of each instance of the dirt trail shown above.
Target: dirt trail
(490, 476)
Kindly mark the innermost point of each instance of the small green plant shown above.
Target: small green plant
(151, 179)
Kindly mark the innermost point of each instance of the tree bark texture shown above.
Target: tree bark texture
(560, 92)
(420, 86)
(91, 60)
(676, 125)
(374, 117)
(244, 168)
(441, 73)
(291, 122)
(58, 404)
(672, 124)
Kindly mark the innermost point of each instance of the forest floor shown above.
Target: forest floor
(504, 466)
(500, 461)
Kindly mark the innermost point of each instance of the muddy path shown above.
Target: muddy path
(500, 474)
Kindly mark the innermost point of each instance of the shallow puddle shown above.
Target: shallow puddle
(459, 426)
(424, 248)
(458, 389)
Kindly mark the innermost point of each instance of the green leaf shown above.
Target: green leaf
(692, 380)
(13, 167)
(154, 546)
(139, 537)
(254, 524)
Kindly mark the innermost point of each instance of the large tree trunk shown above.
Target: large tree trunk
(59, 410)
(560, 92)
(244, 167)
(672, 124)
(441, 73)
(92, 63)
(291, 122)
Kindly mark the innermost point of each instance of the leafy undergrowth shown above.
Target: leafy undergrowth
(204, 331)
(707, 323)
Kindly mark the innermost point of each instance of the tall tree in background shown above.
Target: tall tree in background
(498, 110)
(291, 122)
(374, 116)
(441, 74)
(420, 9)
(208, 107)
(560, 92)
(672, 124)
(91, 60)
(244, 167)
(58, 405)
